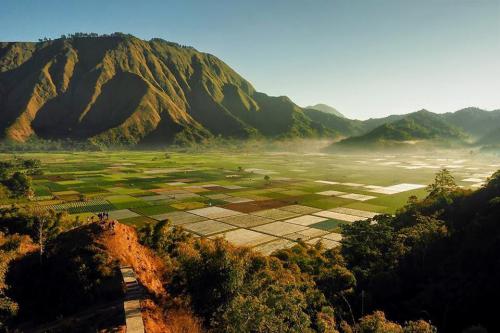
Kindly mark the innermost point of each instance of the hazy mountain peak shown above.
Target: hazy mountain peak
(326, 108)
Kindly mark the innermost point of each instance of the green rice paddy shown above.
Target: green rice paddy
(149, 184)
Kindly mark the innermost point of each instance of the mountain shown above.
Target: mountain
(418, 126)
(118, 89)
(326, 109)
(474, 121)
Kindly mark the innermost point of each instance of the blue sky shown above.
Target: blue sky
(366, 58)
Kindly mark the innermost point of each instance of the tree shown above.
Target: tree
(335, 282)
(267, 178)
(377, 323)
(163, 236)
(4, 192)
(237, 290)
(444, 184)
(5, 169)
(365, 247)
(419, 326)
(82, 197)
(47, 225)
(31, 164)
(19, 184)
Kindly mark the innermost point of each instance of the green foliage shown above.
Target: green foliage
(14, 175)
(377, 323)
(419, 260)
(75, 274)
(18, 184)
(11, 248)
(236, 290)
(419, 326)
(8, 307)
(39, 144)
(367, 247)
(326, 268)
(444, 184)
(26, 221)
(4, 193)
(163, 237)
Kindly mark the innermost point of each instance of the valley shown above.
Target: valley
(265, 200)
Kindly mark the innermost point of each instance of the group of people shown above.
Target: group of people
(104, 216)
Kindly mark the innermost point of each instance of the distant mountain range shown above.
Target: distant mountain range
(466, 126)
(120, 90)
(414, 127)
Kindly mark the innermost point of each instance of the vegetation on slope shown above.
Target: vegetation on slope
(436, 258)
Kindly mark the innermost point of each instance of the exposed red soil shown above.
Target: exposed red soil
(121, 242)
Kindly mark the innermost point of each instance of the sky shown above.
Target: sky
(367, 58)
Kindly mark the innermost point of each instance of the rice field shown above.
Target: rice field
(220, 194)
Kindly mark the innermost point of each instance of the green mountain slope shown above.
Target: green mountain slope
(418, 126)
(326, 109)
(491, 138)
(474, 121)
(120, 89)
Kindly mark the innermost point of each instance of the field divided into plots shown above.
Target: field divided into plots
(227, 194)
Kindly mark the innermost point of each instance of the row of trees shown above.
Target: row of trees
(38, 145)
(85, 35)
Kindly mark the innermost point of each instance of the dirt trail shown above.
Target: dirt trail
(122, 243)
(132, 302)
(146, 301)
